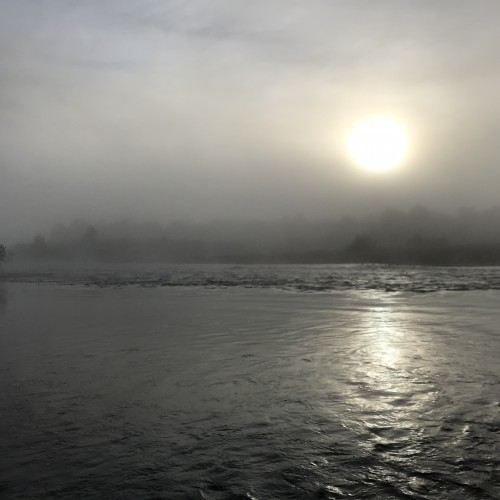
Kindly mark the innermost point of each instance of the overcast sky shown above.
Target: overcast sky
(240, 109)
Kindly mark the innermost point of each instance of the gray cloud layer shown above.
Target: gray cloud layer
(174, 109)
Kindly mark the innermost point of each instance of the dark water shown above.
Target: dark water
(285, 277)
(221, 393)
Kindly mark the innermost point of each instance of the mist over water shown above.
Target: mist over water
(417, 237)
(213, 286)
(171, 111)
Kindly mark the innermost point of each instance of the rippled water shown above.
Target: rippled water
(221, 393)
(286, 277)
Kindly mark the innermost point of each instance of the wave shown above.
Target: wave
(304, 278)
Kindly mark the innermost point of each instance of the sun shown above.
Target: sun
(378, 143)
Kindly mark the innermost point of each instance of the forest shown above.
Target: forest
(417, 236)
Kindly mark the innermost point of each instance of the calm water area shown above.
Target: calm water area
(256, 382)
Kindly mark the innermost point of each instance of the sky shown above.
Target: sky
(231, 109)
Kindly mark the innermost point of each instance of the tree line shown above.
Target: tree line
(417, 236)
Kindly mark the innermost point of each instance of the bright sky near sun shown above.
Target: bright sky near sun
(378, 143)
(230, 108)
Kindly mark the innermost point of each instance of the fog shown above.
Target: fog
(195, 111)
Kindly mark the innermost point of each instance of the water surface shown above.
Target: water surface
(218, 393)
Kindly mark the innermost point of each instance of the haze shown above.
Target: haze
(239, 110)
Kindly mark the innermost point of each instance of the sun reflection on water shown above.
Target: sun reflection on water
(385, 337)
(390, 392)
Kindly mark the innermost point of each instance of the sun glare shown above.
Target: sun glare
(378, 144)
